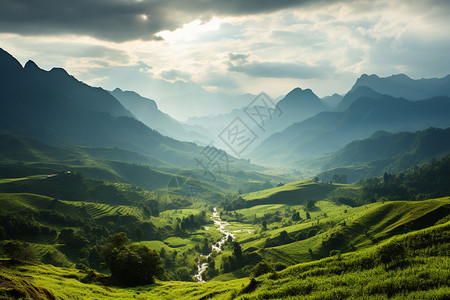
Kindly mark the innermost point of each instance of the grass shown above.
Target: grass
(294, 193)
(422, 274)
(363, 227)
(15, 202)
(7, 180)
(100, 210)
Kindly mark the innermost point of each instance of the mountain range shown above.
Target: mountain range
(146, 111)
(296, 106)
(329, 131)
(401, 86)
(56, 108)
(384, 152)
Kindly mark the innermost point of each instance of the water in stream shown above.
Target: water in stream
(201, 267)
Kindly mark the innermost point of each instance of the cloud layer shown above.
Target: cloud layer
(118, 20)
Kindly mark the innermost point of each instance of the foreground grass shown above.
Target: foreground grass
(422, 273)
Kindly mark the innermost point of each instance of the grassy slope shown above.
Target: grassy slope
(363, 227)
(294, 193)
(423, 273)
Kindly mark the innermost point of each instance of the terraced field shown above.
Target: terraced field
(100, 210)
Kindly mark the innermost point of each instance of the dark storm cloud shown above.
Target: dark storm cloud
(123, 20)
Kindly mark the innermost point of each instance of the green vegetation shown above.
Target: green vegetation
(305, 238)
(378, 272)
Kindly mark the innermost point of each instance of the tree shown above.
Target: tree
(261, 268)
(308, 216)
(264, 225)
(2, 233)
(131, 264)
(16, 250)
(68, 237)
(296, 216)
(340, 178)
(391, 252)
(237, 251)
(138, 232)
(310, 205)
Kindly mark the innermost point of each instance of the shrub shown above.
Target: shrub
(261, 268)
(131, 264)
(17, 250)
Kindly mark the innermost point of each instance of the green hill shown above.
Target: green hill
(419, 272)
(384, 152)
(294, 193)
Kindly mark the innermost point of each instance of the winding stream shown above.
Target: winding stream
(201, 267)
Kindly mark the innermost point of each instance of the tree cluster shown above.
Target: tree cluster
(131, 264)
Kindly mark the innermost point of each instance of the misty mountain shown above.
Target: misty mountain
(352, 96)
(296, 106)
(329, 131)
(146, 111)
(183, 100)
(59, 110)
(385, 152)
(401, 86)
(332, 101)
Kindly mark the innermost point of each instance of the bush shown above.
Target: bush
(391, 252)
(261, 268)
(131, 264)
(17, 250)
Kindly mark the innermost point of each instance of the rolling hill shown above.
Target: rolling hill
(384, 152)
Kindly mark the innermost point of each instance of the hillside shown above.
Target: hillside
(298, 105)
(384, 152)
(55, 108)
(380, 271)
(329, 131)
(303, 226)
(146, 111)
(293, 193)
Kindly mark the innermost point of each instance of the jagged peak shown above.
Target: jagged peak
(31, 65)
(299, 91)
(366, 76)
(59, 71)
(401, 75)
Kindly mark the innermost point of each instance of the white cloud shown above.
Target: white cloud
(322, 47)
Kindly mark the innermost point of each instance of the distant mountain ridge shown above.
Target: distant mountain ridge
(401, 86)
(385, 152)
(59, 110)
(146, 111)
(298, 105)
(329, 131)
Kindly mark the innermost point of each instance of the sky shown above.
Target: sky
(174, 47)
